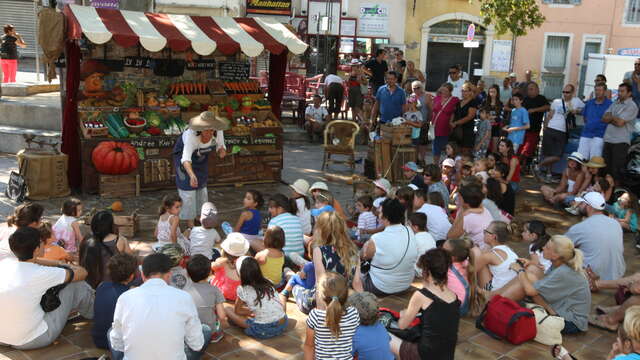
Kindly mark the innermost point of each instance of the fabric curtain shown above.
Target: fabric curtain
(556, 54)
(70, 138)
(277, 69)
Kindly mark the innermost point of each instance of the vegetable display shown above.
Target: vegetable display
(115, 158)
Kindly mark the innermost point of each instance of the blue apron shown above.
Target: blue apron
(635, 94)
(199, 162)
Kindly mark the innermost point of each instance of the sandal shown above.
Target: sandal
(600, 322)
(559, 352)
(603, 310)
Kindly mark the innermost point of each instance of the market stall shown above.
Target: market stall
(133, 81)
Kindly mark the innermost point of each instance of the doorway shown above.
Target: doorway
(442, 55)
(323, 56)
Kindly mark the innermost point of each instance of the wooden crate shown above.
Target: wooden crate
(119, 186)
(400, 155)
(399, 135)
(127, 225)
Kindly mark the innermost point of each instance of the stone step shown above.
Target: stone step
(13, 138)
(29, 88)
(294, 134)
(38, 112)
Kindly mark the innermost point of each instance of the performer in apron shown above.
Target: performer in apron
(191, 158)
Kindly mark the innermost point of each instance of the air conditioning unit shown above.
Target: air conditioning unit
(304, 6)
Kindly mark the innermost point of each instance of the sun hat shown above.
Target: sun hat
(449, 162)
(235, 244)
(383, 184)
(319, 185)
(300, 186)
(239, 262)
(174, 252)
(209, 120)
(593, 199)
(596, 162)
(577, 157)
(410, 166)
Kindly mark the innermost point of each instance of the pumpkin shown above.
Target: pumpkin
(115, 158)
(116, 206)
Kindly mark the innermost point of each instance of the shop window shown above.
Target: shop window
(552, 85)
(632, 12)
(563, 2)
(555, 57)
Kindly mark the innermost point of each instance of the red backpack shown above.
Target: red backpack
(504, 319)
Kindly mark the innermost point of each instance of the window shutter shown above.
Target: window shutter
(576, 2)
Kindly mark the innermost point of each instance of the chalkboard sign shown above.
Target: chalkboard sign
(201, 65)
(234, 71)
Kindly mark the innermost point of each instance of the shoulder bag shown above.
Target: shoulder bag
(436, 116)
(366, 265)
(51, 299)
(16, 189)
(548, 327)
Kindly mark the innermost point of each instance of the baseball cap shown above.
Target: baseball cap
(383, 184)
(410, 166)
(449, 162)
(593, 199)
(414, 187)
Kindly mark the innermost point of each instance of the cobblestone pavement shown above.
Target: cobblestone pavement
(304, 161)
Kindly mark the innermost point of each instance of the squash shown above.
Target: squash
(115, 158)
(116, 206)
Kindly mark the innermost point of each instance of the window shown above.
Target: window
(552, 85)
(563, 2)
(632, 12)
(556, 52)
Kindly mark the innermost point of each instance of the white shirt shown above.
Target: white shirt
(154, 321)
(438, 224)
(192, 143)
(457, 86)
(424, 243)
(392, 266)
(22, 285)
(202, 241)
(331, 78)
(558, 121)
(5, 249)
(304, 214)
(317, 113)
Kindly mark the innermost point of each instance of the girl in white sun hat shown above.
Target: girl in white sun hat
(299, 190)
(315, 190)
(226, 276)
(382, 191)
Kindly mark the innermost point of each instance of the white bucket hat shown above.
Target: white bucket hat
(235, 244)
(319, 185)
(383, 184)
(300, 186)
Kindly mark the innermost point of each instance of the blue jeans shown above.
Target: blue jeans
(514, 186)
(266, 331)
(191, 354)
(570, 328)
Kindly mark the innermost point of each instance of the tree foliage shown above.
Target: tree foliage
(515, 16)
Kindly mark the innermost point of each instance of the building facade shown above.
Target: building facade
(557, 52)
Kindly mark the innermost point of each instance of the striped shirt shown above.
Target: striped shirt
(326, 345)
(293, 239)
(367, 221)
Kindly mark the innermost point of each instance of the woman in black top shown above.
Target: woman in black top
(440, 310)
(508, 201)
(494, 105)
(464, 117)
(9, 43)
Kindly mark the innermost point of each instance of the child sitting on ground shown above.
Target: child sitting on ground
(332, 325)
(382, 192)
(257, 309)
(625, 210)
(535, 233)
(315, 190)
(324, 199)
(449, 174)
(480, 169)
(461, 278)
(122, 268)
(204, 237)
(424, 240)
(179, 278)
(367, 221)
(67, 228)
(250, 220)
(168, 227)
(208, 298)
(271, 259)
(371, 340)
(51, 250)
(226, 277)
(305, 279)
(299, 190)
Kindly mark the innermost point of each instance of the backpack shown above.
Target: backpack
(389, 319)
(504, 319)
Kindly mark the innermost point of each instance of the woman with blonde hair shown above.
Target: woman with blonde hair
(411, 74)
(563, 291)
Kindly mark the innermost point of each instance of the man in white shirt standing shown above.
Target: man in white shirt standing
(24, 325)
(554, 138)
(455, 78)
(335, 93)
(316, 117)
(155, 320)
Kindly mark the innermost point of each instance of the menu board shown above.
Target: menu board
(233, 71)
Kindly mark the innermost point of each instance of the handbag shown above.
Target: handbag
(366, 265)
(51, 299)
(504, 319)
(569, 118)
(435, 118)
(389, 319)
(16, 189)
(548, 327)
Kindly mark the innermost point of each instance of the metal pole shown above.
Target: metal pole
(35, 12)
(469, 63)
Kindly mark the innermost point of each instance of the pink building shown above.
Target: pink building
(557, 51)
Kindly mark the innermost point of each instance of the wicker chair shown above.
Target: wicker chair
(339, 139)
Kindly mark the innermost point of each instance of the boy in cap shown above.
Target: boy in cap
(204, 237)
(179, 278)
(410, 171)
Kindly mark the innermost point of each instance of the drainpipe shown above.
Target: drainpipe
(513, 54)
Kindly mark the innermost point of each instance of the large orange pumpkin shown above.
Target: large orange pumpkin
(114, 158)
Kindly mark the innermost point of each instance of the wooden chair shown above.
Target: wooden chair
(340, 139)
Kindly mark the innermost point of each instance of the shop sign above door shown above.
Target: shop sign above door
(374, 20)
(269, 7)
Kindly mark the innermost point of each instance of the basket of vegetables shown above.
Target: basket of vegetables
(134, 122)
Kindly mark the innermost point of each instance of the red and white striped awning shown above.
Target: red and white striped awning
(204, 34)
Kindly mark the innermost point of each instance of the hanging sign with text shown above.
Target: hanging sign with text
(374, 20)
(201, 65)
(233, 71)
(269, 7)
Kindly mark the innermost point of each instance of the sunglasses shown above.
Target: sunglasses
(488, 232)
(452, 72)
(566, 92)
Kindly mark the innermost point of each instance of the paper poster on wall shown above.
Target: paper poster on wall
(373, 20)
(501, 57)
(322, 20)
